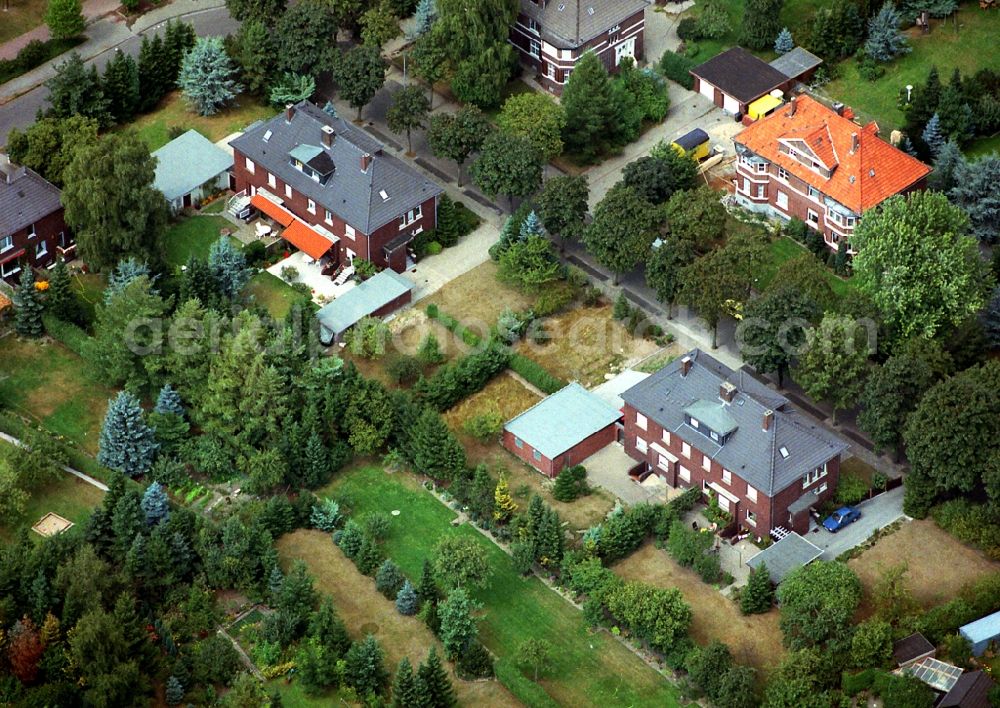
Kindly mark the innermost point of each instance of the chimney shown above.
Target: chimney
(791, 107)
(289, 112)
(366, 160)
(328, 136)
(848, 113)
(854, 143)
(727, 392)
(768, 419)
(685, 365)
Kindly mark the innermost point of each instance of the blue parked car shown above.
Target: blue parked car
(840, 518)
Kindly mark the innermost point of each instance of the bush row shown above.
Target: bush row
(453, 382)
(34, 54)
(451, 324)
(624, 531)
(677, 68)
(535, 374)
(66, 333)
(970, 523)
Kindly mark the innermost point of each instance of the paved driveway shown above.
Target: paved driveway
(875, 514)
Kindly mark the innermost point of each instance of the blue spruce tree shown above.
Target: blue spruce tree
(229, 267)
(407, 602)
(275, 583)
(175, 691)
(123, 274)
(947, 163)
(885, 41)
(424, 16)
(155, 504)
(784, 43)
(975, 191)
(906, 145)
(532, 226)
(127, 444)
(932, 135)
(169, 401)
(28, 307)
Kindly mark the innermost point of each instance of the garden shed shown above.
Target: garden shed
(562, 430)
(798, 64)
(981, 632)
(736, 78)
(788, 554)
(383, 293)
(190, 168)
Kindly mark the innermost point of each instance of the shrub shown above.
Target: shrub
(453, 382)
(707, 566)
(364, 269)
(289, 274)
(553, 300)
(406, 600)
(533, 372)
(476, 662)
(687, 545)
(255, 253)
(688, 29)
(389, 579)
(677, 68)
(430, 350)
(571, 483)
(368, 337)
(376, 524)
(622, 308)
(433, 248)
(851, 489)
(403, 370)
(484, 426)
(67, 333)
(796, 229)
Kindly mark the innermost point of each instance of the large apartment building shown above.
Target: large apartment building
(809, 161)
(552, 35)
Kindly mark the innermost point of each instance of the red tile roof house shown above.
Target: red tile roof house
(33, 230)
(562, 430)
(552, 35)
(341, 195)
(809, 161)
(697, 423)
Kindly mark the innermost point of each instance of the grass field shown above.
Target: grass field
(589, 668)
(925, 549)
(477, 298)
(983, 146)
(89, 288)
(52, 385)
(273, 293)
(192, 236)
(972, 47)
(784, 249)
(67, 496)
(361, 605)
(755, 640)
(173, 112)
(23, 15)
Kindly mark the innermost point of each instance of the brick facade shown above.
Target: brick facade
(574, 456)
(553, 65)
(353, 243)
(37, 246)
(690, 468)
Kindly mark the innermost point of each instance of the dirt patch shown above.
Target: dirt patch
(924, 548)
(477, 298)
(359, 604)
(586, 343)
(504, 393)
(755, 640)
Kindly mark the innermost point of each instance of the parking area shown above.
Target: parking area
(876, 514)
(608, 469)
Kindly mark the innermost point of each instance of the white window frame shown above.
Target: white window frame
(6, 273)
(723, 502)
(666, 436)
(783, 173)
(532, 26)
(850, 221)
(414, 214)
(760, 168)
(550, 70)
(311, 206)
(751, 493)
(663, 463)
(328, 217)
(686, 450)
(288, 191)
(820, 489)
(812, 192)
(537, 455)
(518, 442)
(727, 476)
(641, 445)
(813, 476)
(641, 421)
(41, 249)
(812, 217)
(534, 48)
(349, 231)
(781, 200)
(761, 191)
(251, 167)
(6, 243)
(751, 518)
(32, 232)
(271, 181)
(684, 473)
(706, 463)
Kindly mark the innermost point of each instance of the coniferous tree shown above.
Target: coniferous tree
(169, 401)
(364, 667)
(504, 505)
(407, 602)
(436, 452)
(59, 299)
(254, 51)
(125, 272)
(28, 305)
(369, 555)
(975, 191)
(784, 43)
(932, 136)
(758, 594)
(990, 318)
(760, 23)
(178, 38)
(127, 444)
(885, 41)
(77, 91)
(155, 504)
(229, 267)
(154, 72)
(424, 16)
(427, 589)
(389, 579)
(207, 76)
(436, 686)
(121, 87)
(590, 108)
(64, 18)
(947, 163)
(404, 686)
(174, 691)
(328, 629)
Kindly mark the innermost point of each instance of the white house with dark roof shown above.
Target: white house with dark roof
(698, 423)
(552, 35)
(340, 193)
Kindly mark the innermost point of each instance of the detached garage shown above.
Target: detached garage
(190, 168)
(562, 430)
(736, 78)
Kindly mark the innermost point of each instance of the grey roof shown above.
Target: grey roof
(567, 24)
(713, 414)
(750, 452)
(351, 193)
(740, 74)
(362, 300)
(802, 503)
(972, 690)
(567, 417)
(795, 63)
(187, 162)
(788, 554)
(611, 390)
(25, 197)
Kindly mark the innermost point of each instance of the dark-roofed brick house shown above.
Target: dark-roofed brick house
(552, 35)
(698, 423)
(736, 78)
(33, 231)
(352, 198)
(809, 161)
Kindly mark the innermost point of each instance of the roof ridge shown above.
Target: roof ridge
(542, 400)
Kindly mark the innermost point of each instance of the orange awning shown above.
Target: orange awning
(314, 244)
(275, 211)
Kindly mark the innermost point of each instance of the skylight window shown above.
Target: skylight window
(384, 194)
(267, 135)
(783, 451)
(590, 11)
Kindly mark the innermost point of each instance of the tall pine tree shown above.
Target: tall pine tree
(436, 451)
(60, 300)
(28, 306)
(127, 444)
(155, 504)
(436, 683)
(590, 108)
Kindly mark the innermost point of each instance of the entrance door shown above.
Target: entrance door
(625, 49)
(187, 200)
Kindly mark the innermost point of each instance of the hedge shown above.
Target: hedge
(523, 688)
(471, 338)
(677, 68)
(453, 382)
(67, 333)
(853, 684)
(533, 372)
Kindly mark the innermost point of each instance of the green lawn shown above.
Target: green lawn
(67, 496)
(972, 47)
(589, 669)
(784, 249)
(23, 15)
(173, 112)
(192, 236)
(983, 146)
(53, 386)
(273, 293)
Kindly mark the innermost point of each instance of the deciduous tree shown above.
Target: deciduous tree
(461, 562)
(507, 165)
(408, 111)
(64, 18)
(304, 38)
(458, 627)
(622, 231)
(255, 10)
(664, 267)
(455, 136)
(890, 395)
(535, 654)
(379, 25)
(696, 215)
(761, 23)
(538, 118)
(562, 206)
(773, 329)
(817, 603)
(834, 363)
(359, 74)
(48, 145)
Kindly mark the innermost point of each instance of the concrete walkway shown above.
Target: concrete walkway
(76, 473)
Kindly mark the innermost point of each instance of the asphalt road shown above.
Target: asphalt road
(21, 112)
